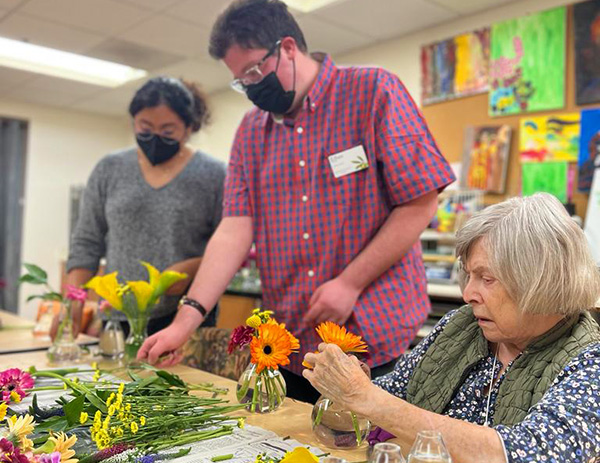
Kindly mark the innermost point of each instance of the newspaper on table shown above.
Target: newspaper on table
(243, 444)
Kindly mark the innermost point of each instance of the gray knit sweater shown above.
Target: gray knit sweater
(126, 220)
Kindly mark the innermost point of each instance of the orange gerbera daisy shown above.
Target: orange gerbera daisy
(335, 334)
(272, 346)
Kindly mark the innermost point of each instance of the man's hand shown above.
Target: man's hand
(163, 346)
(332, 301)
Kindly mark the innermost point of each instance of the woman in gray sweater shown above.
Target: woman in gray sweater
(158, 202)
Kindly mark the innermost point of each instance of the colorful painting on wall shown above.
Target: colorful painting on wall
(520, 81)
(586, 17)
(549, 177)
(589, 148)
(455, 67)
(549, 138)
(485, 158)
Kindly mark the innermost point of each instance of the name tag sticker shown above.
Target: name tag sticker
(348, 161)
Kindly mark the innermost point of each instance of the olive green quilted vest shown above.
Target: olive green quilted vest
(461, 344)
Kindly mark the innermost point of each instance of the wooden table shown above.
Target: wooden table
(291, 419)
(16, 336)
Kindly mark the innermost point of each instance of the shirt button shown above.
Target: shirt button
(299, 130)
(306, 236)
(302, 163)
(311, 273)
(304, 198)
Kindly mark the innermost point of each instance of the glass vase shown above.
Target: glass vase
(338, 428)
(429, 447)
(263, 392)
(112, 340)
(138, 332)
(64, 349)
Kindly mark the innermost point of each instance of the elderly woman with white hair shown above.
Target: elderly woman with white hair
(514, 375)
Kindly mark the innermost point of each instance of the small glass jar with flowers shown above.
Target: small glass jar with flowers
(261, 386)
(135, 299)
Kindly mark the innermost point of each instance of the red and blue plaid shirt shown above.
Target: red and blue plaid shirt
(309, 225)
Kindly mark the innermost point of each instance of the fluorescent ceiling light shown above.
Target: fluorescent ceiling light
(306, 6)
(42, 60)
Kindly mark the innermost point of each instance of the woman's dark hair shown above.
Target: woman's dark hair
(254, 24)
(182, 97)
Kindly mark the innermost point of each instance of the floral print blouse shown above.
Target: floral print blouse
(564, 426)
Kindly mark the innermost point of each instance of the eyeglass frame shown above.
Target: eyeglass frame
(238, 84)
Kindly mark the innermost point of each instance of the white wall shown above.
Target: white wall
(401, 56)
(62, 148)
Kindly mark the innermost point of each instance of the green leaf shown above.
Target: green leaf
(36, 272)
(27, 278)
(133, 376)
(37, 296)
(171, 378)
(73, 410)
(56, 424)
(96, 402)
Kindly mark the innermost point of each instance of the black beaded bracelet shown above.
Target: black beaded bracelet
(192, 303)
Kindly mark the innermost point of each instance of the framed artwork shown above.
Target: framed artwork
(527, 63)
(455, 67)
(550, 138)
(485, 158)
(589, 148)
(549, 177)
(586, 22)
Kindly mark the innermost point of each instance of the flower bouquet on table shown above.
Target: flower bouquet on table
(64, 348)
(115, 422)
(334, 426)
(261, 386)
(136, 299)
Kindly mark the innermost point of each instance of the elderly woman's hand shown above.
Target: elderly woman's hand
(338, 376)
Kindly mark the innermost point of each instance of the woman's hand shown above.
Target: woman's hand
(338, 376)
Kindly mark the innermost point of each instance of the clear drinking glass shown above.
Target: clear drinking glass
(386, 452)
(429, 447)
(330, 459)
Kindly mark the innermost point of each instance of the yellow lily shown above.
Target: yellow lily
(162, 281)
(107, 287)
(299, 455)
(143, 292)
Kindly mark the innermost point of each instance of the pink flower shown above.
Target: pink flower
(53, 457)
(10, 454)
(14, 380)
(76, 294)
(105, 306)
(240, 337)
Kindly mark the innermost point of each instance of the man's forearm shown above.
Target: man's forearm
(395, 237)
(189, 267)
(225, 253)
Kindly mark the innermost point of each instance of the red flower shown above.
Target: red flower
(10, 454)
(76, 294)
(240, 338)
(15, 380)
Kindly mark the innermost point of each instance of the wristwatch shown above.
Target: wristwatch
(192, 303)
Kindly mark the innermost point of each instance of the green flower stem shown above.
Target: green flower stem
(229, 456)
(257, 385)
(356, 428)
(322, 407)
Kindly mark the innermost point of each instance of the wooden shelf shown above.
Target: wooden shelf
(434, 235)
(446, 291)
(438, 258)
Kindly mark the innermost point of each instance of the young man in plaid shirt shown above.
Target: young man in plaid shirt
(333, 175)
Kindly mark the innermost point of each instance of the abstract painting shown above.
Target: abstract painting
(485, 158)
(586, 17)
(549, 177)
(589, 148)
(527, 63)
(455, 67)
(549, 138)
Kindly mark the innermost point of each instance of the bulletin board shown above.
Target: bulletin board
(448, 120)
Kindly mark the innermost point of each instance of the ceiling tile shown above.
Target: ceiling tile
(323, 36)
(470, 6)
(170, 35)
(40, 96)
(10, 78)
(154, 5)
(109, 102)
(211, 75)
(383, 19)
(103, 16)
(20, 26)
(132, 54)
(202, 12)
(10, 4)
(54, 84)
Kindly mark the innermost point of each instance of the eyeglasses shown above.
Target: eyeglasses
(253, 75)
(148, 136)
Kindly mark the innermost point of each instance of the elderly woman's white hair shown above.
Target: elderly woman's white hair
(537, 252)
